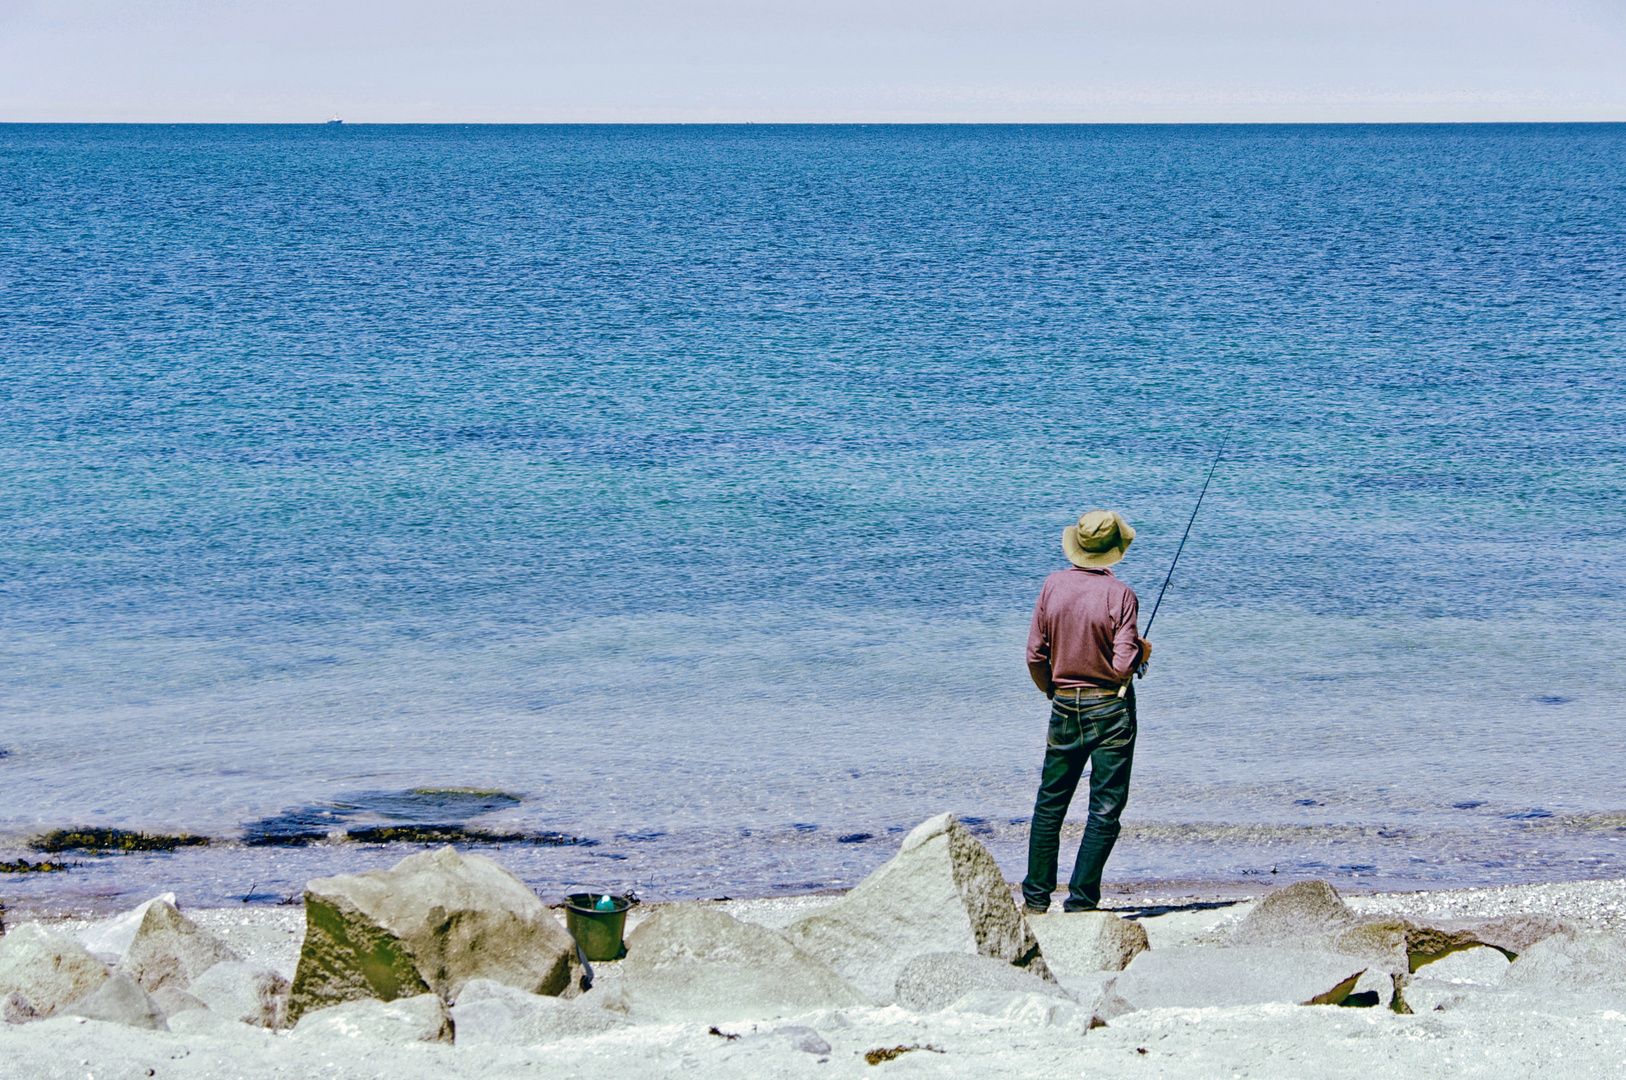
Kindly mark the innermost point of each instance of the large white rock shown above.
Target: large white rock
(941, 893)
(1300, 910)
(489, 1013)
(108, 939)
(934, 981)
(47, 970)
(1201, 977)
(430, 923)
(422, 1018)
(1087, 941)
(171, 950)
(243, 992)
(120, 1000)
(691, 962)
(1579, 960)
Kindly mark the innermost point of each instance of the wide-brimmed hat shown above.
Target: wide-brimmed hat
(1099, 539)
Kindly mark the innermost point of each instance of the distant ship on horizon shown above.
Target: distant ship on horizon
(334, 120)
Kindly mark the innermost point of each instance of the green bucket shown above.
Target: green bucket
(597, 932)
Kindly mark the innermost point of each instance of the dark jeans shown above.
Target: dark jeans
(1102, 733)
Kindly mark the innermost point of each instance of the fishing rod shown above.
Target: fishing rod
(1140, 669)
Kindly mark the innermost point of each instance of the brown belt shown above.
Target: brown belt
(1078, 692)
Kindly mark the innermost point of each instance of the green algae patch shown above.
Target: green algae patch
(23, 866)
(113, 840)
(346, 958)
(430, 834)
(484, 794)
(458, 834)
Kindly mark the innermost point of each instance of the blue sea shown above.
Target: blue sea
(663, 507)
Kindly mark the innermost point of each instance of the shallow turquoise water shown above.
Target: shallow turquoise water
(694, 485)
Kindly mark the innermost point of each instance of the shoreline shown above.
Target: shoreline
(1133, 899)
(1596, 903)
(232, 873)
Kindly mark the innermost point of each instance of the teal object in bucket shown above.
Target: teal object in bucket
(596, 921)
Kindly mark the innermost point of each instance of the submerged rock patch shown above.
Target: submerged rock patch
(414, 816)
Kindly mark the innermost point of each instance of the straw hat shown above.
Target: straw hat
(1099, 539)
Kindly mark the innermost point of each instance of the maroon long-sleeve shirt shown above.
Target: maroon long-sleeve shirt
(1084, 628)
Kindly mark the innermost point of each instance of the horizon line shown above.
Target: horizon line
(810, 123)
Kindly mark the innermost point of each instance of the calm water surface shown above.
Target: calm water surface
(691, 488)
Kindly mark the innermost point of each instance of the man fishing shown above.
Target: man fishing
(1083, 648)
(1082, 651)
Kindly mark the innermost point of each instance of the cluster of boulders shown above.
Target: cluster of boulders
(448, 946)
(152, 964)
(1304, 944)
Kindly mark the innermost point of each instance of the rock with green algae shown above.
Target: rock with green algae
(429, 924)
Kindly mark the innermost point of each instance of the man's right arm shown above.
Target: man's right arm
(1039, 671)
(1129, 649)
(1039, 650)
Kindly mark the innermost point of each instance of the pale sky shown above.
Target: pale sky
(391, 61)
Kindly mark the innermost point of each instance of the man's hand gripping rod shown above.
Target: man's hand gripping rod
(1140, 669)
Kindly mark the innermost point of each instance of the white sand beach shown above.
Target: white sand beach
(1471, 1017)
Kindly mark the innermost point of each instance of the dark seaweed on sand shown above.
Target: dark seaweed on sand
(428, 834)
(23, 866)
(112, 840)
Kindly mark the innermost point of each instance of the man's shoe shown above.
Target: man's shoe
(1075, 910)
(1029, 909)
